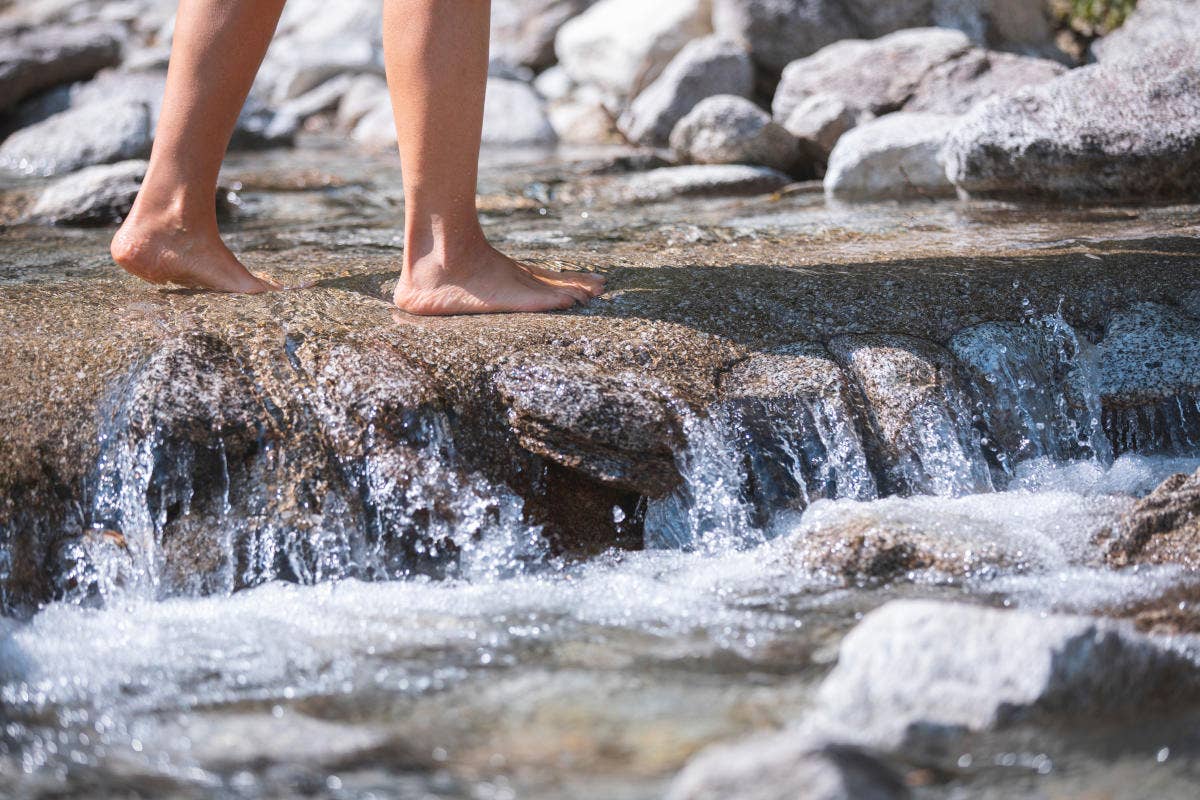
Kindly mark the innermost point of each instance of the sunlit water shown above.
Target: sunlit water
(523, 676)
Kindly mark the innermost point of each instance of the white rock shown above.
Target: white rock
(554, 83)
(1153, 26)
(916, 672)
(523, 30)
(582, 122)
(818, 122)
(376, 129)
(705, 67)
(727, 129)
(786, 766)
(364, 95)
(877, 76)
(514, 114)
(623, 45)
(894, 156)
(697, 180)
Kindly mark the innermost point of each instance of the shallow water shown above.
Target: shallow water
(527, 675)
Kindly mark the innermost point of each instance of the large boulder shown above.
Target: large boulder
(894, 156)
(727, 129)
(777, 32)
(918, 674)
(523, 31)
(1102, 133)
(43, 58)
(958, 85)
(786, 766)
(514, 114)
(1154, 26)
(705, 67)
(79, 137)
(623, 45)
(876, 76)
(1162, 528)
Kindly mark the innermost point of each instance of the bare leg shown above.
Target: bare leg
(436, 59)
(171, 234)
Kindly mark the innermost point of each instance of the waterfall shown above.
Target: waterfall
(1037, 391)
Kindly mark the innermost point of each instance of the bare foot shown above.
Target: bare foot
(483, 282)
(590, 282)
(167, 252)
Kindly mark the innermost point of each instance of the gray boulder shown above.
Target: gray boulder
(621, 46)
(777, 32)
(878, 76)
(79, 137)
(1149, 353)
(514, 114)
(727, 129)
(1102, 133)
(917, 674)
(958, 85)
(92, 196)
(818, 122)
(705, 67)
(894, 156)
(1154, 26)
(46, 57)
(695, 180)
(786, 766)
(523, 30)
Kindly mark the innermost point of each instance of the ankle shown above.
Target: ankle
(443, 256)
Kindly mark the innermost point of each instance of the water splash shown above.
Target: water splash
(1037, 388)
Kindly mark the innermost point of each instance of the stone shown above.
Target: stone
(727, 129)
(79, 137)
(514, 114)
(697, 180)
(376, 129)
(777, 32)
(897, 155)
(92, 196)
(1154, 26)
(1102, 133)
(364, 95)
(554, 83)
(918, 674)
(43, 58)
(818, 122)
(958, 85)
(583, 122)
(523, 31)
(1019, 26)
(705, 67)
(917, 410)
(1162, 528)
(621, 46)
(786, 766)
(878, 76)
(1149, 353)
(613, 427)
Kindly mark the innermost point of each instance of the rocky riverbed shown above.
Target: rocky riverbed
(873, 474)
(299, 543)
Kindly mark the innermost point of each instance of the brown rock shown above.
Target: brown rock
(1162, 528)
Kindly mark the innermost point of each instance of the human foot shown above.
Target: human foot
(161, 251)
(589, 282)
(483, 281)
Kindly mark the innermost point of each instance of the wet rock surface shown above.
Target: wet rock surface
(79, 137)
(1162, 528)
